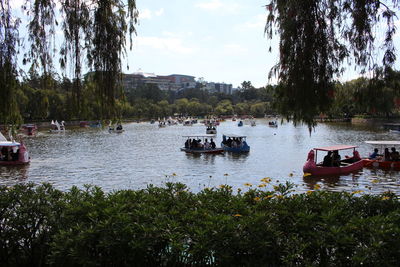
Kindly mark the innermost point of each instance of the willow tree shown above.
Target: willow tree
(76, 27)
(93, 29)
(316, 38)
(9, 41)
(108, 31)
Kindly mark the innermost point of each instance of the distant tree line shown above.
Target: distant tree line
(379, 96)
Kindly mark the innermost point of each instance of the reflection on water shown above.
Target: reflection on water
(146, 154)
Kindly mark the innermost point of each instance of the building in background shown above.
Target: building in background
(173, 82)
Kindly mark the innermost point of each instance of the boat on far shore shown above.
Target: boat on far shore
(57, 127)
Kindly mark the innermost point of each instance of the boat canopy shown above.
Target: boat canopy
(384, 142)
(234, 135)
(200, 136)
(9, 143)
(332, 148)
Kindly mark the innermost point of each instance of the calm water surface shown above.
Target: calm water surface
(145, 154)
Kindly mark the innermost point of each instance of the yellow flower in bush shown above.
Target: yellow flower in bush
(375, 181)
(309, 192)
(385, 198)
(221, 186)
(357, 192)
(262, 185)
(237, 215)
(257, 199)
(174, 174)
(248, 184)
(266, 180)
(269, 196)
(317, 186)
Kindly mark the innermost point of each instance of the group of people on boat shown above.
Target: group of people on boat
(392, 155)
(233, 142)
(9, 153)
(332, 159)
(196, 144)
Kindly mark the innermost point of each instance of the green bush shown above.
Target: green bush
(171, 226)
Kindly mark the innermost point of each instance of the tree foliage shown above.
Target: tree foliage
(95, 30)
(9, 41)
(316, 37)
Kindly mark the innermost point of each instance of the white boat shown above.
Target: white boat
(211, 130)
(273, 124)
(57, 127)
(115, 129)
(198, 144)
(12, 153)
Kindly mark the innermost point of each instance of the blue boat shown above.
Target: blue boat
(240, 123)
(235, 143)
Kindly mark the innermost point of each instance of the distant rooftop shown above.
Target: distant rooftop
(144, 74)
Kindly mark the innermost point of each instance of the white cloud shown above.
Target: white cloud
(210, 5)
(177, 34)
(217, 5)
(234, 49)
(159, 12)
(257, 22)
(146, 13)
(168, 44)
(15, 4)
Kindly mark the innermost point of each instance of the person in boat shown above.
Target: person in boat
(206, 144)
(374, 154)
(229, 142)
(336, 158)
(15, 153)
(193, 144)
(386, 155)
(327, 160)
(199, 144)
(394, 155)
(212, 144)
(187, 143)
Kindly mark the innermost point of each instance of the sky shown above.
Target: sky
(217, 40)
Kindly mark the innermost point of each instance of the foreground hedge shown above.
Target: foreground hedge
(42, 226)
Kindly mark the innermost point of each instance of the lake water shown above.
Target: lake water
(146, 154)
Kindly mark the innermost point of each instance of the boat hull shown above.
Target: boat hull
(13, 163)
(22, 158)
(244, 149)
(316, 170)
(211, 131)
(203, 151)
(373, 163)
